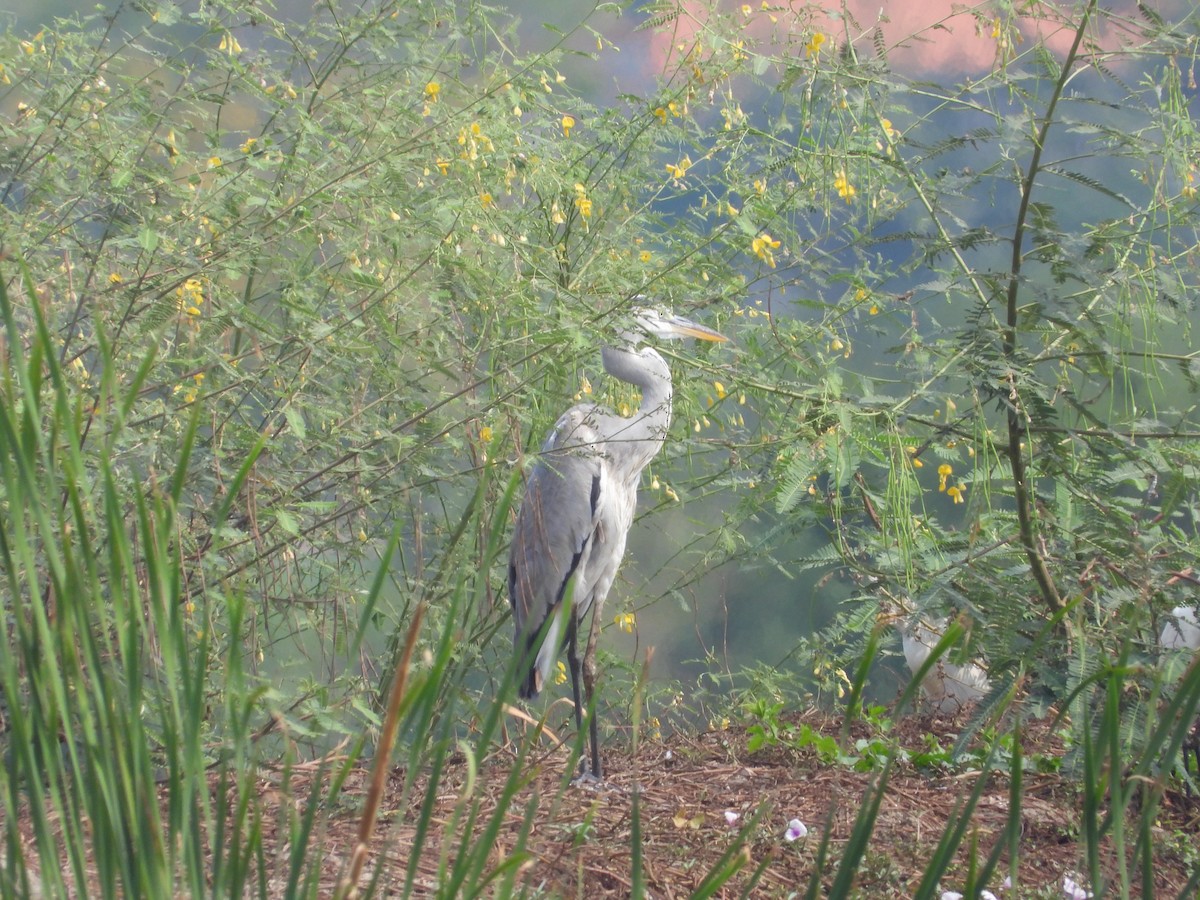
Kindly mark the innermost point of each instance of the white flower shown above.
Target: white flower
(1072, 891)
(796, 829)
(951, 895)
(987, 895)
(731, 817)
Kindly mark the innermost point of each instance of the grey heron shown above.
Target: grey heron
(579, 502)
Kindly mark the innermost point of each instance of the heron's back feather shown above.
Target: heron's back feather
(570, 534)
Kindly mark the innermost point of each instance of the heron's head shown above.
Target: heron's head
(655, 322)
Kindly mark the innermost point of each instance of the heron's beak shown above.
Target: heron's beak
(681, 327)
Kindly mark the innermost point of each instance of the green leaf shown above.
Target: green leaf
(148, 239)
(286, 521)
(295, 421)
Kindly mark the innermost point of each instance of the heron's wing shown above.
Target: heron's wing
(558, 521)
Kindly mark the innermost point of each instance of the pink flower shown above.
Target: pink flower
(795, 830)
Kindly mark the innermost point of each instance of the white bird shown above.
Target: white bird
(1181, 631)
(579, 503)
(947, 686)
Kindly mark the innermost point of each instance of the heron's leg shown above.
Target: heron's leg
(589, 686)
(573, 663)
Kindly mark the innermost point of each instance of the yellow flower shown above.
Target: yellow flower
(625, 621)
(582, 202)
(956, 493)
(229, 44)
(114, 278)
(443, 165)
(485, 434)
(762, 246)
(432, 90)
(996, 27)
(645, 256)
(248, 145)
(836, 344)
(485, 200)
(760, 186)
(678, 170)
(813, 47)
(844, 188)
(945, 470)
(746, 9)
(720, 389)
(191, 295)
(568, 122)
(214, 162)
(661, 114)
(560, 674)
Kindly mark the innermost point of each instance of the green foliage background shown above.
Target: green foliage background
(290, 303)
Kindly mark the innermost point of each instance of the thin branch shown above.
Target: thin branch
(1026, 515)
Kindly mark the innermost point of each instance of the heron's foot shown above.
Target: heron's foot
(592, 782)
(586, 778)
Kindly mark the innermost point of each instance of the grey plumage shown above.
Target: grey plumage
(580, 498)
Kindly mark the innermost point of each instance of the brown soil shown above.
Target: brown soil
(579, 842)
(579, 839)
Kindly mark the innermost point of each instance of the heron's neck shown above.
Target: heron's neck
(648, 371)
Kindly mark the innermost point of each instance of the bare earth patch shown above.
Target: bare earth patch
(578, 841)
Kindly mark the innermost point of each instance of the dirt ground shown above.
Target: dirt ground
(578, 843)
(695, 794)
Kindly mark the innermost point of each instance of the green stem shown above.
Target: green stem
(1026, 516)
